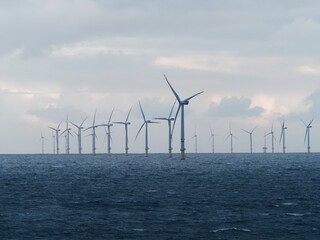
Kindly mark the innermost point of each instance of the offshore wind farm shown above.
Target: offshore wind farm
(159, 119)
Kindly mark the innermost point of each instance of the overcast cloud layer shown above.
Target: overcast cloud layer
(257, 62)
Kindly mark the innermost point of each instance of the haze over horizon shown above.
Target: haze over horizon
(257, 62)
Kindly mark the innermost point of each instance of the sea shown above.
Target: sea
(206, 196)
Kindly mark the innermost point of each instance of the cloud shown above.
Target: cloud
(234, 107)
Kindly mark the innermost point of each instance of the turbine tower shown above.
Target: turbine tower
(53, 144)
(57, 135)
(108, 125)
(79, 135)
(250, 134)
(169, 119)
(307, 135)
(272, 137)
(67, 136)
(94, 126)
(231, 139)
(283, 136)
(146, 122)
(182, 103)
(264, 143)
(195, 137)
(212, 137)
(126, 123)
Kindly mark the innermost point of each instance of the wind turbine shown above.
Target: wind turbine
(182, 103)
(42, 143)
(307, 135)
(108, 125)
(93, 133)
(169, 119)
(126, 123)
(53, 141)
(195, 137)
(250, 134)
(283, 128)
(264, 143)
(146, 122)
(231, 139)
(67, 136)
(57, 135)
(212, 137)
(79, 134)
(272, 137)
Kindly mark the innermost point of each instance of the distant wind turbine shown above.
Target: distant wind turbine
(182, 103)
(42, 143)
(272, 137)
(283, 136)
(212, 138)
(264, 142)
(108, 125)
(231, 139)
(250, 134)
(57, 135)
(94, 136)
(169, 119)
(79, 127)
(67, 132)
(126, 123)
(307, 135)
(53, 141)
(145, 123)
(195, 137)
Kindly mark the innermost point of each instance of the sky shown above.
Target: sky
(256, 61)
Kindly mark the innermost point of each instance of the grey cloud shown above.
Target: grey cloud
(234, 107)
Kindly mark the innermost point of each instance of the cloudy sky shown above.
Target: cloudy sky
(257, 61)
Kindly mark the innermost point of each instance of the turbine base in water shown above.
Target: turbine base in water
(308, 150)
(147, 153)
(109, 152)
(93, 151)
(183, 156)
(170, 153)
(127, 152)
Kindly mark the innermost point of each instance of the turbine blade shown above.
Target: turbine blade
(161, 118)
(193, 96)
(281, 136)
(310, 123)
(254, 129)
(174, 92)
(75, 125)
(227, 137)
(305, 136)
(119, 122)
(245, 131)
(144, 118)
(83, 122)
(175, 119)
(110, 116)
(140, 130)
(128, 114)
(59, 125)
(303, 122)
(172, 109)
(153, 122)
(94, 118)
(53, 128)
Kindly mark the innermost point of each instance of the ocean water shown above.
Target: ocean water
(221, 196)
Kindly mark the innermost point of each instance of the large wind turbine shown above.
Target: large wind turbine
(79, 134)
(182, 103)
(94, 126)
(307, 135)
(272, 137)
(57, 135)
(250, 134)
(68, 133)
(145, 123)
(108, 125)
(126, 123)
(283, 136)
(169, 119)
(231, 139)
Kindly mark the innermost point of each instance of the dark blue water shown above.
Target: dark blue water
(223, 196)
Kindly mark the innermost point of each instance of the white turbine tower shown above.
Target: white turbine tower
(307, 135)
(145, 123)
(67, 136)
(79, 127)
(272, 138)
(250, 134)
(264, 143)
(57, 135)
(231, 140)
(126, 123)
(53, 143)
(169, 119)
(283, 136)
(94, 136)
(182, 103)
(212, 138)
